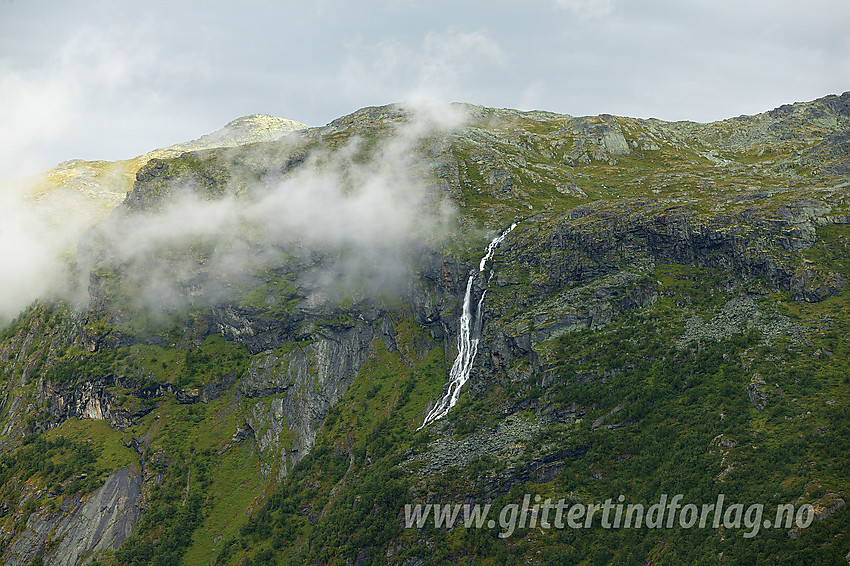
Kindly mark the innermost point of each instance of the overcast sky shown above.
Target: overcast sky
(114, 79)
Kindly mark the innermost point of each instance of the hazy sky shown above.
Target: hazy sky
(113, 79)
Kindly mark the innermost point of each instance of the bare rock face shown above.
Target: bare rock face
(83, 527)
(591, 242)
(86, 400)
(247, 129)
(572, 267)
(756, 392)
(293, 391)
(598, 139)
(92, 399)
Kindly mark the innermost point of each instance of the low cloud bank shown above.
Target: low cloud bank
(346, 218)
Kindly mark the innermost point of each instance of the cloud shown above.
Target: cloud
(66, 94)
(331, 204)
(587, 9)
(345, 221)
(532, 96)
(437, 68)
(29, 255)
(34, 109)
(96, 84)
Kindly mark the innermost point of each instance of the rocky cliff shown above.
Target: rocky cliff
(667, 285)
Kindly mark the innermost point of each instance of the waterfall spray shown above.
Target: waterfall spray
(469, 334)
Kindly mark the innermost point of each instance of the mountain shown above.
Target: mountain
(89, 190)
(633, 312)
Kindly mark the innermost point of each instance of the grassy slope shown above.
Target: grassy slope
(345, 497)
(677, 403)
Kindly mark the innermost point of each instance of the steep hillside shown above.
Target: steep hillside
(242, 368)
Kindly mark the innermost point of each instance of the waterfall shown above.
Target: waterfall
(469, 334)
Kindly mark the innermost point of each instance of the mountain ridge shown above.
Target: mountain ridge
(94, 188)
(670, 315)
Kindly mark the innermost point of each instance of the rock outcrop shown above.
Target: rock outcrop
(603, 203)
(83, 526)
(291, 392)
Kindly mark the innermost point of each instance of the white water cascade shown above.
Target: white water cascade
(469, 334)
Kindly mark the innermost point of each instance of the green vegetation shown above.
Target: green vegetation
(276, 294)
(214, 359)
(174, 512)
(831, 252)
(206, 488)
(684, 425)
(351, 477)
(52, 462)
(112, 454)
(660, 321)
(149, 364)
(71, 460)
